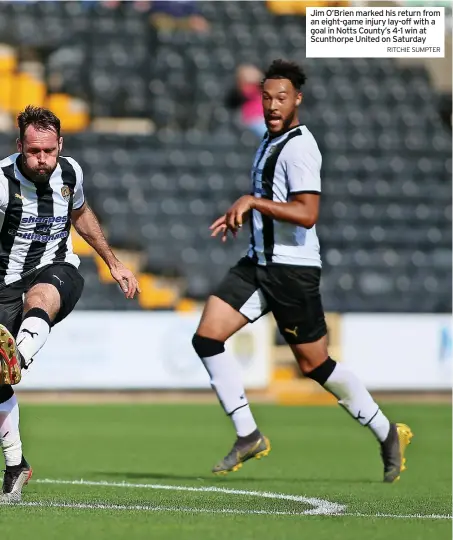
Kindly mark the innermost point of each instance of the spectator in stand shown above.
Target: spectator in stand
(164, 14)
(246, 95)
(177, 14)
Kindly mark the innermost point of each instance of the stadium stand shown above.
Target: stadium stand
(385, 225)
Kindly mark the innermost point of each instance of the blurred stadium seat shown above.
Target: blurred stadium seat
(385, 226)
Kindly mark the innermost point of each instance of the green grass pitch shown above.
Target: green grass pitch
(155, 461)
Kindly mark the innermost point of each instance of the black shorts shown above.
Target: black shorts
(65, 277)
(290, 292)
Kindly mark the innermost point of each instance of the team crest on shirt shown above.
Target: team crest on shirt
(66, 193)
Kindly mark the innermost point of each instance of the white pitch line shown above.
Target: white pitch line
(398, 516)
(147, 508)
(320, 506)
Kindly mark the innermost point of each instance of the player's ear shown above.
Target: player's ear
(298, 99)
(60, 144)
(19, 145)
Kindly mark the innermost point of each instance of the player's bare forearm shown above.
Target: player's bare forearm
(302, 210)
(87, 225)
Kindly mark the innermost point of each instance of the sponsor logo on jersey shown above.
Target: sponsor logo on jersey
(49, 220)
(43, 238)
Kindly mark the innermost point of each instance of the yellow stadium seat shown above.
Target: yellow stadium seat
(27, 90)
(154, 297)
(79, 245)
(6, 91)
(8, 59)
(186, 305)
(72, 112)
(103, 270)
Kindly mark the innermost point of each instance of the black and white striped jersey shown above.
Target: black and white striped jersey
(35, 219)
(284, 166)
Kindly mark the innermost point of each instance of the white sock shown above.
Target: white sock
(356, 399)
(32, 335)
(226, 380)
(243, 421)
(9, 432)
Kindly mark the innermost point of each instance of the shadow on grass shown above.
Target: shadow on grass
(228, 479)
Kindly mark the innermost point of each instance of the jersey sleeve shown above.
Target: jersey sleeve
(4, 194)
(79, 197)
(302, 164)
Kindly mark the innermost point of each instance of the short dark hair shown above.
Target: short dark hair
(42, 119)
(283, 69)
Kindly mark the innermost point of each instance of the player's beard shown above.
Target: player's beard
(287, 122)
(39, 175)
(286, 125)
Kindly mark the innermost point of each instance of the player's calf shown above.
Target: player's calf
(33, 333)
(16, 355)
(353, 396)
(226, 380)
(10, 441)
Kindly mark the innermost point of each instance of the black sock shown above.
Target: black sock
(250, 438)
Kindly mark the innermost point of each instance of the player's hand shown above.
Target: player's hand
(239, 212)
(126, 279)
(220, 226)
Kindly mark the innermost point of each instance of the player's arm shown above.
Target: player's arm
(3, 193)
(87, 225)
(301, 166)
(302, 210)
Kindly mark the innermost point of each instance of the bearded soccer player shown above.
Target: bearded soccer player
(281, 274)
(41, 195)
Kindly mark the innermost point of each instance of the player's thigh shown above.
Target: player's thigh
(236, 302)
(295, 301)
(62, 286)
(219, 320)
(11, 307)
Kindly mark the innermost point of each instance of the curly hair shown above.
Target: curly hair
(283, 69)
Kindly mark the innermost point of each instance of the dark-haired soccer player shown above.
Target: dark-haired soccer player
(41, 195)
(281, 274)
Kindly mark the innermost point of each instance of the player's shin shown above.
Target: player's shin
(33, 334)
(352, 396)
(9, 429)
(226, 380)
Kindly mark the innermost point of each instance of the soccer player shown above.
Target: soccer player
(281, 274)
(41, 195)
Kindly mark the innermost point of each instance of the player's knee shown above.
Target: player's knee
(37, 297)
(43, 296)
(321, 372)
(206, 347)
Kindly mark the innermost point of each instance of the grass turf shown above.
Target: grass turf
(317, 452)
